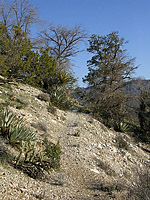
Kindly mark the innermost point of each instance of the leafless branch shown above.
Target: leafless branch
(63, 42)
(18, 12)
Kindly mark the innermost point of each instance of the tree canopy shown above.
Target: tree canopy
(19, 60)
(63, 42)
(110, 64)
(110, 69)
(20, 13)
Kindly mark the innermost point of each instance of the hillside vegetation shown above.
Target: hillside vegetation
(93, 162)
(58, 141)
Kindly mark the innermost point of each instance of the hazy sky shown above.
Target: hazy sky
(130, 17)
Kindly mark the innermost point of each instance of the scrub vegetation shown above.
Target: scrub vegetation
(45, 64)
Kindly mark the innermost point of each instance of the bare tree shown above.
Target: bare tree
(63, 42)
(6, 13)
(20, 13)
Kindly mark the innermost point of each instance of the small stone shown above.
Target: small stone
(95, 170)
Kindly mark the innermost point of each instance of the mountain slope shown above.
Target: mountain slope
(93, 166)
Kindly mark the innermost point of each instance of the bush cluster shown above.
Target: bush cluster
(33, 157)
(144, 120)
(60, 98)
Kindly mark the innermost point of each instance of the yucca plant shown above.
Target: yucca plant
(65, 78)
(121, 126)
(33, 158)
(58, 96)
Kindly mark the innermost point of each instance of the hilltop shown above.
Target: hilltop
(96, 162)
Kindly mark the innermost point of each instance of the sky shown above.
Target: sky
(130, 17)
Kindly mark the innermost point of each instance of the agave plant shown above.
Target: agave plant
(20, 133)
(14, 128)
(7, 118)
(59, 98)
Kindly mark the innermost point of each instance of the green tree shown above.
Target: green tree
(19, 60)
(14, 47)
(110, 69)
(47, 68)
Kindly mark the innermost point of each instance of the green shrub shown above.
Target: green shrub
(53, 153)
(101, 114)
(34, 157)
(20, 133)
(7, 118)
(31, 151)
(38, 157)
(144, 119)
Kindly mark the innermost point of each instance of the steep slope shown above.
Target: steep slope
(96, 163)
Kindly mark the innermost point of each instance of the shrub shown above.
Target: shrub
(38, 157)
(110, 189)
(121, 143)
(20, 103)
(19, 132)
(144, 120)
(7, 118)
(53, 152)
(52, 109)
(34, 157)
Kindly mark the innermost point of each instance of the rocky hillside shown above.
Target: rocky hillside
(96, 162)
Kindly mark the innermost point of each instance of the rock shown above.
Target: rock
(44, 97)
(95, 171)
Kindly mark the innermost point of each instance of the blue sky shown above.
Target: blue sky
(130, 17)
